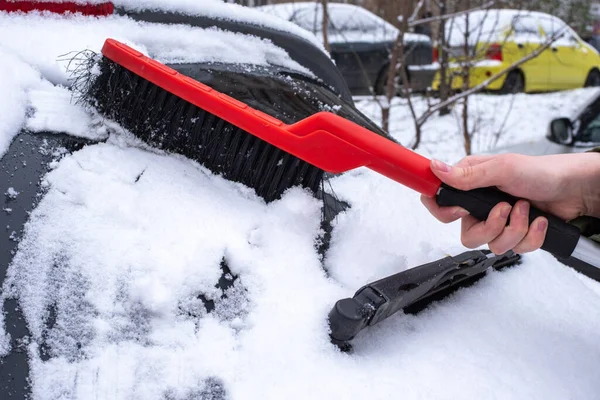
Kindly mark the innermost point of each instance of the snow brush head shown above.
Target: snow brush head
(177, 113)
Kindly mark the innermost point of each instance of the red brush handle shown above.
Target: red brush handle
(380, 154)
(324, 140)
(57, 7)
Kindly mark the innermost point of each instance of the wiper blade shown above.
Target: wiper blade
(379, 300)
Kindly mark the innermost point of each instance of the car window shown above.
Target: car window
(526, 27)
(483, 26)
(553, 26)
(310, 19)
(351, 19)
(341, 19)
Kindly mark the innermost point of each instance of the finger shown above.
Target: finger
(493, 172)
(476, 233)
(514, 233)
(443, 214)
(534, 238)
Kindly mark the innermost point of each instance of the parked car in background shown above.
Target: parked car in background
(499, 38)
(360, 43)
(575, 134)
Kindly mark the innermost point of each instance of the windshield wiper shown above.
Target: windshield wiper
(379, 300)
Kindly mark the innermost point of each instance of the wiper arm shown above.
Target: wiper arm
(378, 300)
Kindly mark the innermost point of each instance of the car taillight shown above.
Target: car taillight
(100, 9)
(436, 54)
(494, 52)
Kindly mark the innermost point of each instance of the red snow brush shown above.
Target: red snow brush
(100, 9)
(173, 111)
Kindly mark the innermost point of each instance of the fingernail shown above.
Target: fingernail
(541, 225)
(461, 212)
(440, 166)
(505, 211)
(524, 208)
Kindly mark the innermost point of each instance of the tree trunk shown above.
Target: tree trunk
(465, 74)
(390, 86)
(325, 25)
(443, 60)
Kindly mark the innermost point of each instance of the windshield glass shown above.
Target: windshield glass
(341, 19)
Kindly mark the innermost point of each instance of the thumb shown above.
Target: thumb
(465, 177)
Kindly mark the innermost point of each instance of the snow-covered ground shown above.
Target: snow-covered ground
(494, 121)
(126, 238)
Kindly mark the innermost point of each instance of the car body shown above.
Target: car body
(360, 43)
(499, 38)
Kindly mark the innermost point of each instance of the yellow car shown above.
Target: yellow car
(499, 38)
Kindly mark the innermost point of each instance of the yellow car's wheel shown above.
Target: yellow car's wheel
(593, 79)
(514, 83)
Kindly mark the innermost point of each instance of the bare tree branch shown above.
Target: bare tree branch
(452, 15)
(416, 11)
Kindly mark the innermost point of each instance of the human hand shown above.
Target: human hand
(566, 185)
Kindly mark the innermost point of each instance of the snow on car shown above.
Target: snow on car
(121, 254)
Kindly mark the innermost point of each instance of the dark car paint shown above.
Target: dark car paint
(364, 65)
(298, 48)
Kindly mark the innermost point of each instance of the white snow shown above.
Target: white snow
(11, 193)
(5, 346)
(17, 77)
(56, 40)
(50, 104)
(126, 239)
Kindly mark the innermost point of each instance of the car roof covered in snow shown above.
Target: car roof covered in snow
(386, 31)
(488, 25)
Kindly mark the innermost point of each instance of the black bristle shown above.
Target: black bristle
(167, 122)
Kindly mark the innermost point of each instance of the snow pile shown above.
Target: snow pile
(497, 121)
(50, 104)
(121, 247)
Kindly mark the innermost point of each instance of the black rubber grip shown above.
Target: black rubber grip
(561, 237)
